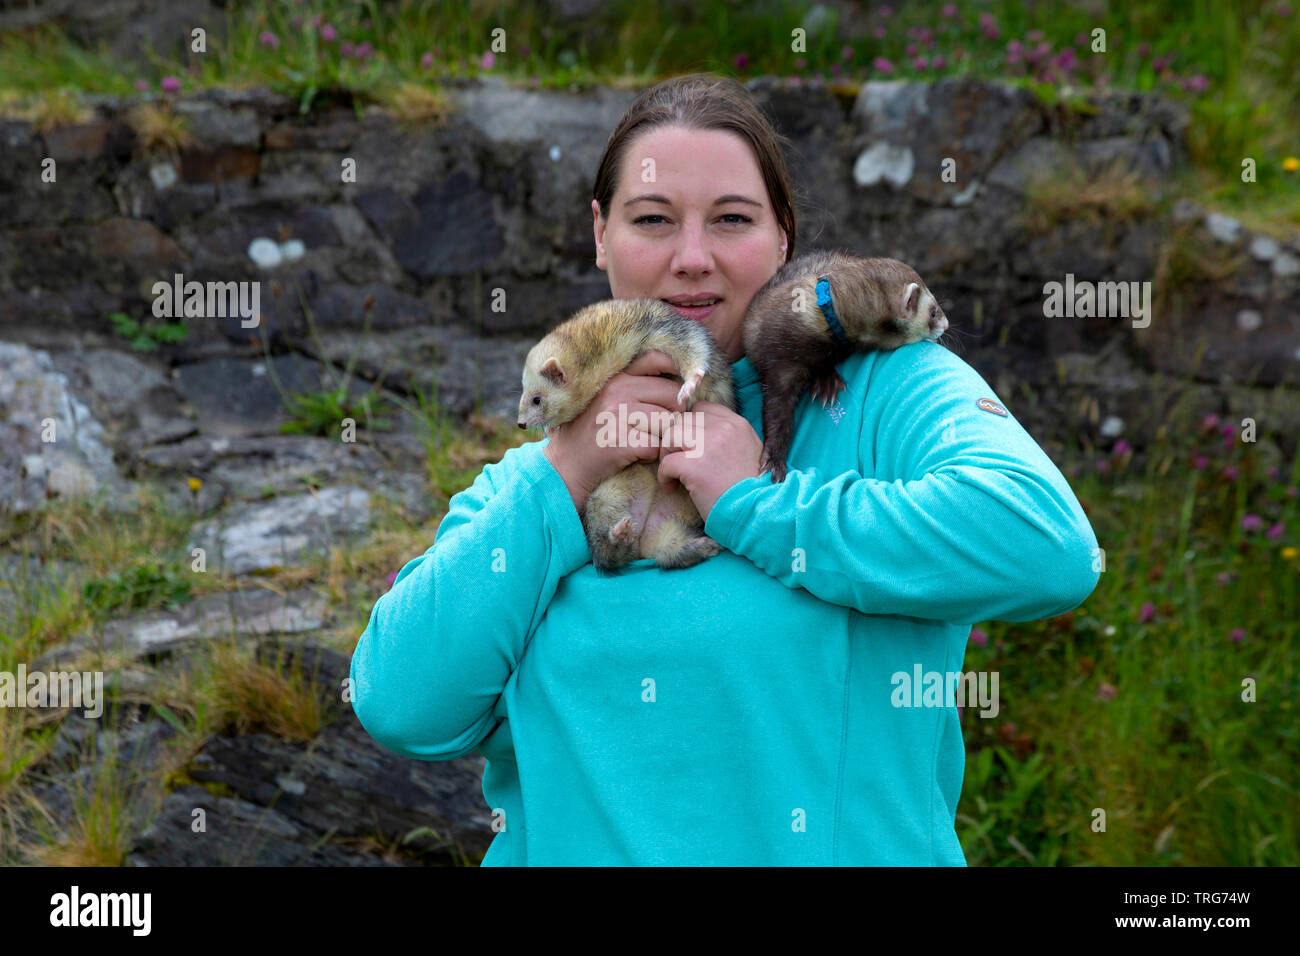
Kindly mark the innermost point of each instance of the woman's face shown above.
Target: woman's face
(702, 229)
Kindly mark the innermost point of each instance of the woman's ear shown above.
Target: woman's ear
(598, 232)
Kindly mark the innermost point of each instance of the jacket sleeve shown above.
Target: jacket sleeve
(968, 519)
(442, 643)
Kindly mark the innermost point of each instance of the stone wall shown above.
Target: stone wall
(496, 196)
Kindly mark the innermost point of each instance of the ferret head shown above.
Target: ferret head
(920, 316)
(547, 400)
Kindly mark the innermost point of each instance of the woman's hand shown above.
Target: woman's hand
(573, 449)
(718, 449)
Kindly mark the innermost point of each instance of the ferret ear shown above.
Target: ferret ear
(911, 297)
(552, 372)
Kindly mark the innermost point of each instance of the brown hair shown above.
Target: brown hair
(703, 101)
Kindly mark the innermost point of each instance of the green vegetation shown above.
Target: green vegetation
(1232, 63)
(146, 338)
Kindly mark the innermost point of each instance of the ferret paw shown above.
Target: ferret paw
(777, 468)
(688, 388)
(623, 532)
(827, 387)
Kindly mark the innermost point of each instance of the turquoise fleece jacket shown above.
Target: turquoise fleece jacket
(745, 711)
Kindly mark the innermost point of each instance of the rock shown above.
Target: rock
(1222, 228)
(132, 399)
(54, 446)
(418, 231)
(211, 617)
(281, 532)
(1264, 248)
(882, 161)
(342, 784)
(1286, 265)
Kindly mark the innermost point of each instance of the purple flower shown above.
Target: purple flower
(1066, 59)
(327, 33)
(1237, 635)
(1227, 428)
(1121, 448)
(1159, 64)
(142, 85)
(886, 11)
(879, 33)
(1033, 36)
(1228, 441)
(741, 60)
(978, 637)
(524, 49)
(911, 49)
(1200, 462)
(846, 53)
(949, 11)
(1144, 49)
(939, 63)
(1210, 423)
(487, 61)
(882, 65)
(1283, 9)
(267, 38)
(919, 63)
(1230, 472)
(391, 578)
(1272, 471)
(1147, 613)
(835, 69)
(171, 84)
(1275, 531)
(1252, 523)
(364, 50)
(1107, 691)
(800, 63)
(1081, 39)
(1291, 491)
(1197, 84)
(992, 33)
(426, 61)
(1223, 578)
(988, 20)
(345, 48)
(1103, 467)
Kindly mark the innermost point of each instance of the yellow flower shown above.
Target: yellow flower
(1288, 554)
(195, 484)
(1291, 164)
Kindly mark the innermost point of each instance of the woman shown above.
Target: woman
(758, 708)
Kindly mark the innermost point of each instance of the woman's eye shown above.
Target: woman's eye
(640, 219)
(736, 215)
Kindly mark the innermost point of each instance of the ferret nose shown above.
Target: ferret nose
(521, 425)
(939, 323)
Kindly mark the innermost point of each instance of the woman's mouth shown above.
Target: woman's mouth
(697, 308)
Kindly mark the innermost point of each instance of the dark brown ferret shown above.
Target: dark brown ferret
(793, 343)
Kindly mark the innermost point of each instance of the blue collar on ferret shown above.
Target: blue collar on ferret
(828, 310)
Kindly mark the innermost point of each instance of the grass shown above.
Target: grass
(1130, 705)
(1112, 197)
(1231, 63)
(1186, 772)
(128, 563)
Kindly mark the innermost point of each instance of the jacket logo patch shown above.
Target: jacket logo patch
(990, 406)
